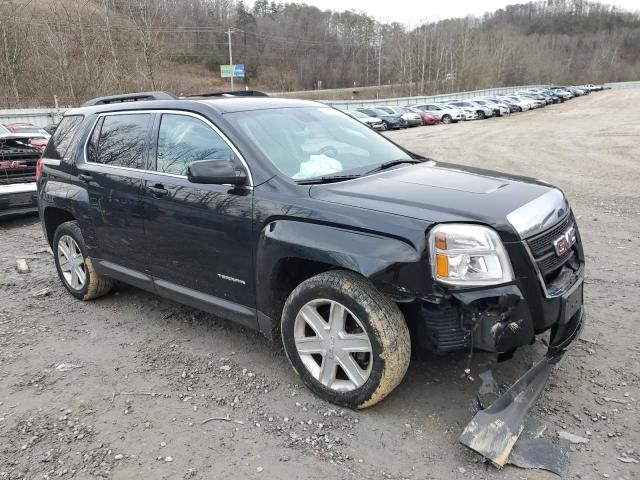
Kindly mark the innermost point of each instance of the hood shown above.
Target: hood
(449, 193)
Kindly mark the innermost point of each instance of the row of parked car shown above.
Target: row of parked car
(386, 117)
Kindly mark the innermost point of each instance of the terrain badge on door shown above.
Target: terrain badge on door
(232, 279)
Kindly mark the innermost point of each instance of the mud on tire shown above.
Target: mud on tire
(382, 321)
(96, 285)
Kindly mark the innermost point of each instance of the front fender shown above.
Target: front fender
(396, 267)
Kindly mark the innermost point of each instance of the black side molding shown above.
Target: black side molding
(130, 97)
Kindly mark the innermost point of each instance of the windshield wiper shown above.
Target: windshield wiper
(327, 179)
(392, 163)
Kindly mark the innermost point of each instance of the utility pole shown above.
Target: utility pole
(230, 57)
(380, 61)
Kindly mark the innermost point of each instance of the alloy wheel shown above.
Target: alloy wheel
(333, 345)
(71, 262)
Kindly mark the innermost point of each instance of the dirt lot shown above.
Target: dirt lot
(121, 387)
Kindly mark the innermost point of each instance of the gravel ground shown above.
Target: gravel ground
(123, 387)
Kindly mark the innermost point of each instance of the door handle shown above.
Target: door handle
(85, 178)
(158, 190)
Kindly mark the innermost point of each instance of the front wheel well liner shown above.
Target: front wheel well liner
(287, 275)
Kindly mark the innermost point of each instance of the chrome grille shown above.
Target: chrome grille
(543, 242)
(543, 251)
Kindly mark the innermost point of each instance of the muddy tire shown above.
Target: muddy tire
(354, 362)
(74, 266)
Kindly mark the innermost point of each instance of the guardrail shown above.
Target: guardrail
(40, 117)
(45, 116)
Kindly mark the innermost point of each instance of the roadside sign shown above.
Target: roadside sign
(228, 71)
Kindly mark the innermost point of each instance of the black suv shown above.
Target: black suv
(290, 216)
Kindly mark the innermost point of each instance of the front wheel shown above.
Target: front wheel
(446, 119)
(74, 266)
(347, 341)
(481, 115)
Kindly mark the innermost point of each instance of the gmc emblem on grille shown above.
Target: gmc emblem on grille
(565, 242)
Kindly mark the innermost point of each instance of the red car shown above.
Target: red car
(39, 137)
(427, 118)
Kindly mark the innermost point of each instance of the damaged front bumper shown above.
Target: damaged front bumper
(494, 431)
(497, 319)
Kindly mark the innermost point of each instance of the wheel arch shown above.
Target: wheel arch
(52, 218)
(290, 252)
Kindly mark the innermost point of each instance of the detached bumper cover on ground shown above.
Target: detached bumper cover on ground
(494, 431)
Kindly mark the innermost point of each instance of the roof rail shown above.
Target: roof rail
(130, 97)
(237, 93)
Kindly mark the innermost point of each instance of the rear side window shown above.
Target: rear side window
(60, 143)
(183, 139)
(119, 140)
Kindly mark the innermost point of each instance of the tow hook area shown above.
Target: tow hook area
(498, 319)
(494, 431)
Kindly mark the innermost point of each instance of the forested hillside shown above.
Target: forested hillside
(76, 49)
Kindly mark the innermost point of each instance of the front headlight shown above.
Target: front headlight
(468, 255)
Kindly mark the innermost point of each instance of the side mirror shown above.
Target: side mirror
(218, 171)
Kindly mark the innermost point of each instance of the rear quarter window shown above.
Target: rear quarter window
(60, 143)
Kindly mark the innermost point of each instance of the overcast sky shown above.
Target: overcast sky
(412, 12)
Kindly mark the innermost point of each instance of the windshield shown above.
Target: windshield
(312, 142)
(4, 131)
(358, 114)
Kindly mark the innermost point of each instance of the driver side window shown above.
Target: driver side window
(183, 139)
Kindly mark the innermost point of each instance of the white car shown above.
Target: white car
(521, 101)
(498, 109)
(371, 122)
(566, 94)
(446, 114)
(468, 113)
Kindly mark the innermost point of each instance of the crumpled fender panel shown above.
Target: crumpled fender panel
(394, 266)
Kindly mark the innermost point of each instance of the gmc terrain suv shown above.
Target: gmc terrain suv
(292, 217)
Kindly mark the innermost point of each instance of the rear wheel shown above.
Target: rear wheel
(348, 342)
(74, 267)
(481, 115)
(446, 119)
